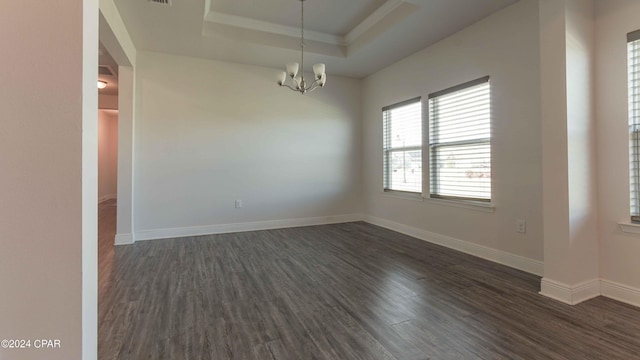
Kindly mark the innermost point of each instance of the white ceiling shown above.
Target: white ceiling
(353, 37)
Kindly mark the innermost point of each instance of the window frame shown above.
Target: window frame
(388, 150)
(434, 147)
(634, 131)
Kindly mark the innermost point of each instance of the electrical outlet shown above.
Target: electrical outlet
(238, 204)
(522, 226)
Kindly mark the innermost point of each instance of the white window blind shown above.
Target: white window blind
(402, 146)
(460, 142)
(633, 51)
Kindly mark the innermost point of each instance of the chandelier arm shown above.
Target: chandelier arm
(290, 87)
(315, 85)
(298, 83)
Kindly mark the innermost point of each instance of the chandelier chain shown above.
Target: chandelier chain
(302, 40)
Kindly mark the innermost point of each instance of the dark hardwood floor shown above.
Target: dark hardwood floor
(348, 291)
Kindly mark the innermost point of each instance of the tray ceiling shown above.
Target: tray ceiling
(354, 38)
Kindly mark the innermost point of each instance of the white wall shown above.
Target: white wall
(618, 251)
(504, 46)
(126, 100)
(115, 38)
(581, 141)
(107, 154)
(108, 102)
(208, 133)
(48, 156)
(553, 78)
(570, 212)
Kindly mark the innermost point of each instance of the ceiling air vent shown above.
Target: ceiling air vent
(161, 2)
(105, 70)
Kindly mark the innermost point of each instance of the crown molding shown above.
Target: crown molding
(267, 27)
(391, 10)
(372, 20)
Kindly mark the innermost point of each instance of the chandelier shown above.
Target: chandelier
(299, 83)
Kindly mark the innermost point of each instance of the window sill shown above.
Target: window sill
(403, 195)
(478, 206)
(629, 228)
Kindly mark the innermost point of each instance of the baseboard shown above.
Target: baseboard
(107, 197)
(515, 261)
(570, 294)
(240, 227)
(573, 295)
(124, 239)
(620, 292)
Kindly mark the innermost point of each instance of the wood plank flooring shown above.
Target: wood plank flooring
(347, 291)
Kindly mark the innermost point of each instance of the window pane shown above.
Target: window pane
(462, 171)
(406, 126)
(406, 170)
(461, 115)
(402, 146)
(633, 50)
(634, 171)
(460, 142)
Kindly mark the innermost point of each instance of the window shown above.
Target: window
(633, 51)
(460, 142)
(402, 145)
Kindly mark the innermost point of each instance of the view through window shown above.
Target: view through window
(402, 139)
